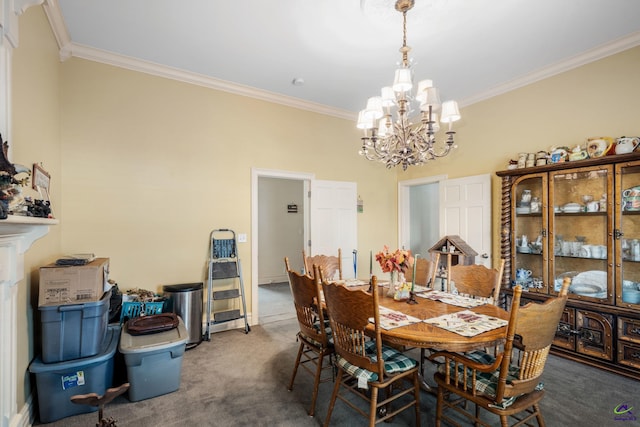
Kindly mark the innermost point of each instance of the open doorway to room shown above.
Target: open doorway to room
(281, 229)
(275, 233)
(433, 207)
(419, 213)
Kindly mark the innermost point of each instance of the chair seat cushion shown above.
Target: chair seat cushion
(313, 341)
(394, 362)
(486, 382)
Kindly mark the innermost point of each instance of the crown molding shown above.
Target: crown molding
(122, 61)
(69, 49)
(616, 46)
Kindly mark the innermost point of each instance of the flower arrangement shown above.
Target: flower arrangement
(398, 261)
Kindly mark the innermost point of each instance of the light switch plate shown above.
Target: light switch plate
(242, 238)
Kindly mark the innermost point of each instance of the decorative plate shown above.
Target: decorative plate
(598, 147)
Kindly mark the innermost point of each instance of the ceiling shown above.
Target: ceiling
(346, 50)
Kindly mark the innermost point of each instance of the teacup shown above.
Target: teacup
(631, 203)
(631, 192)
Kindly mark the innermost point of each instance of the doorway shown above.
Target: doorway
(272, 192)
(419, 213)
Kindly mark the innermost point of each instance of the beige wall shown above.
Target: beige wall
(151, 166)
(143, 168)
(36, 139)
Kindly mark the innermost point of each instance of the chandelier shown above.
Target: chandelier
(402, 142)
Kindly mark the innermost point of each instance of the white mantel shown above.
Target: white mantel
(17, 234)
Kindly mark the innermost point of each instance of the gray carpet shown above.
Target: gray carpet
(240, 380)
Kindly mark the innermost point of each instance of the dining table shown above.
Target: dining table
(427, 335)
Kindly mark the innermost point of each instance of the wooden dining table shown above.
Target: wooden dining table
(425, 335)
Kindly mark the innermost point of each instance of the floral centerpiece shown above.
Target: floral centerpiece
(395, 263)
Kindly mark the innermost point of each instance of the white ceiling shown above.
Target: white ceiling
(471, 49)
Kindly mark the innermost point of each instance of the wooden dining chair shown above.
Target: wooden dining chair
(507, 384)
(478, 281)
(424, 271)
(329, 264)
(314, 334)
(364, 363)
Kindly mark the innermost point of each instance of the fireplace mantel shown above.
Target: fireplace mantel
(17, 234)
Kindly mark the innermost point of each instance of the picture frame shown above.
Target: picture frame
(40, 179)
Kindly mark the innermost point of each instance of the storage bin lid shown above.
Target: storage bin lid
(151, 342)
(107, 351)
(185, 287)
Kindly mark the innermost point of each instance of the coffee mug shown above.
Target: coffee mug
(522, 274)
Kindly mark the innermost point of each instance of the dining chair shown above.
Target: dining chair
(314, 331)
(478, 281)
(424, 271)
(330, 264)
(366, 367)
(507, 384)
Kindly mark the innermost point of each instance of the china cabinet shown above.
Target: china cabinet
(579, 219)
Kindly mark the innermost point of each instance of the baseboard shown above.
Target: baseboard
(26, 416)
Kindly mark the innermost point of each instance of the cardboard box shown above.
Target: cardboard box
(62, 285)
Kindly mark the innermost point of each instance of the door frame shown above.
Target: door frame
(404, 199)
(256, 174)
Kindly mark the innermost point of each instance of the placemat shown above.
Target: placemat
(452, 299)
(390, 319)
(467, 323)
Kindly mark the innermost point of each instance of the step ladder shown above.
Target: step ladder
(225, 269)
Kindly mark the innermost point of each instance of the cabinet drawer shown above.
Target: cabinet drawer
(595, 334)
(629, 354)
(629, 329)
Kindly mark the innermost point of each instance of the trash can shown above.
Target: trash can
(186, 301)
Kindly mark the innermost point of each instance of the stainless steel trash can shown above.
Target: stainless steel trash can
(186, 301)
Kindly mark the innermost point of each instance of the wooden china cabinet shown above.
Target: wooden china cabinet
(579, 219)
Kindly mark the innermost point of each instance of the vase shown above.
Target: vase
(393, 283)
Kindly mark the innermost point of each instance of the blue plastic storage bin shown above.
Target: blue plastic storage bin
(57, 382)
(154, 361)
(73, 331)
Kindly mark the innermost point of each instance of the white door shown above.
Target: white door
(465, 210)
(333, 221)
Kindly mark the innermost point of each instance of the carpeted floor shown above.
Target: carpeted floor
(240, 379)
(275, 302)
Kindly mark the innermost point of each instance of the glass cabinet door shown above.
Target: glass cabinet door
(581, 238)
(529, 242)
(628, 234)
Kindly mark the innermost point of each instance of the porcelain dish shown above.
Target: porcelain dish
(572, 207)
(598, 147)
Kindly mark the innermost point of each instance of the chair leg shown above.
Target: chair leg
(439, 403)
(539, 416)
(295, 367)
(316, 384)
(416, 394)
(373, 413)
(334, 395)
